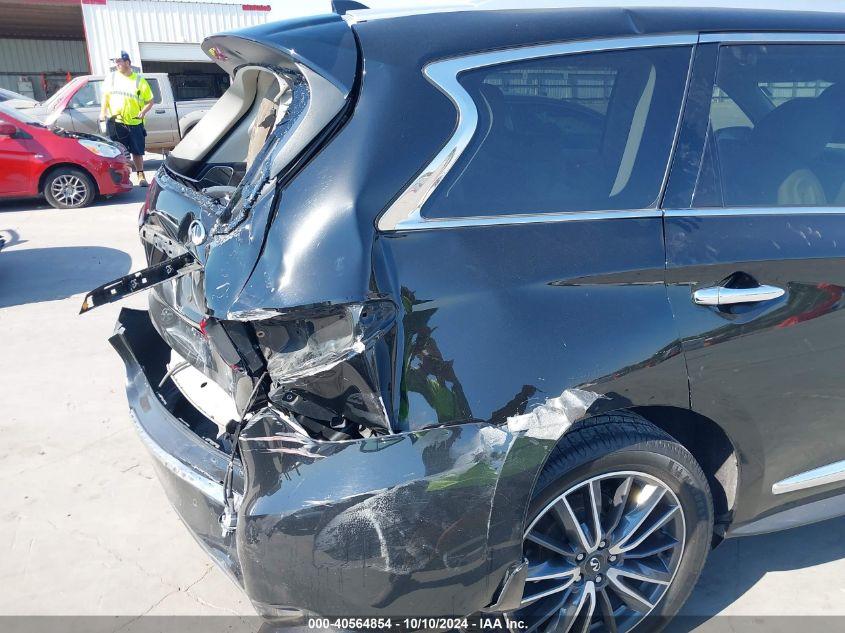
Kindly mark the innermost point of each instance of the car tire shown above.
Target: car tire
(594, 460)
(69, 188)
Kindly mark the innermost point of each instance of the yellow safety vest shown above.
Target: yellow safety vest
(127, 96)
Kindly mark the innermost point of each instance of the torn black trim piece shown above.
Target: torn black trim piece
(139, 280)
(157, 239)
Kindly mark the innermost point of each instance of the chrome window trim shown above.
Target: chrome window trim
(760, 38)
(528, 218)
(776, 37)
(405, 212)
(751, 211)
(829, 474)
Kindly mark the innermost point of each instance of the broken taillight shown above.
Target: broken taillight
(332, 369)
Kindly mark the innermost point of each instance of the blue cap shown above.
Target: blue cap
(123, 55)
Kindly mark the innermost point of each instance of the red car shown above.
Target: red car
(67, 168)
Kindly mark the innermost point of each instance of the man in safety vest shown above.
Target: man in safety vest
(127, 97)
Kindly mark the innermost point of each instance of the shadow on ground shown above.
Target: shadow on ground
(32, 275)
(137, 194)
(738, 564)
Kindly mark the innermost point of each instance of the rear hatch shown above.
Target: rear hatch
(292, 82)
(208, 210)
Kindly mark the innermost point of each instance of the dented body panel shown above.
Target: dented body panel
(188, 467)
(425, 516)
(418, 380)
(421, 523)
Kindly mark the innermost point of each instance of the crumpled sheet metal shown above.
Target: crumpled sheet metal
(544, 421)
(418, 523)
(209, 205)
(332, 366)
(189, 343)
(259, 174)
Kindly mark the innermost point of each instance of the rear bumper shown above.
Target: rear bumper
(414, 524)
(190, 470)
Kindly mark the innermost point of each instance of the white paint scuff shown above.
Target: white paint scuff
(550, 420)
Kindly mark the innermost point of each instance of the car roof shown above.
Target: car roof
(443, 32)
(444, 6)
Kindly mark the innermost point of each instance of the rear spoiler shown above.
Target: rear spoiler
(320, 50)
(324, 44)
(341, 7)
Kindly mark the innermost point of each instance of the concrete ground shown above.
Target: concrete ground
(85, 528)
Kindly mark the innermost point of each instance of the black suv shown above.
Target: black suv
(509, 311)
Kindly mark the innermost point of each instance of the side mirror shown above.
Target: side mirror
(7, 129)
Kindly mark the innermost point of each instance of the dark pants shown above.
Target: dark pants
(130, 136)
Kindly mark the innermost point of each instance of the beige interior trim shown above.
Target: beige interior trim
(223, 115)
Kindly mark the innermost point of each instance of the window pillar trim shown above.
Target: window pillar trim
(404, 214)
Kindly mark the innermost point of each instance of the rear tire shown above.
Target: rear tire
(620, 465)
(69, 188)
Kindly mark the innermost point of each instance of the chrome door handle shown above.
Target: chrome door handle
(722, 296)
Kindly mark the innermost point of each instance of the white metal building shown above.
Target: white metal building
(44, 42)
(160, 30)
(36, 66)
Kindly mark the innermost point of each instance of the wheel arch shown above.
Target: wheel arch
(49, 170)
(711, 447)
(706, 441)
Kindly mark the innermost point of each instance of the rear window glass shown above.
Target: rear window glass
(571, 133)
(776, 134)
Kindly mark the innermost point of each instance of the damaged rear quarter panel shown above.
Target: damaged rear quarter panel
(508, 335)
(420, 523)
(383, 525)
(505, 336)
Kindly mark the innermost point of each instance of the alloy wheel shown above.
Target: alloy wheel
(68, 190)
(602, 554)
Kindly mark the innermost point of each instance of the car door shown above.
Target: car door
(160, 122)
(84, 107)
(16, 157)
(755, 238)
(536, 265)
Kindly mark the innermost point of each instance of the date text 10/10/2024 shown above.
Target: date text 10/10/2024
(486, 623)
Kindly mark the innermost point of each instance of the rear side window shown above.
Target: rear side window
(776, 135)
(579, 132)
(199, 86)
